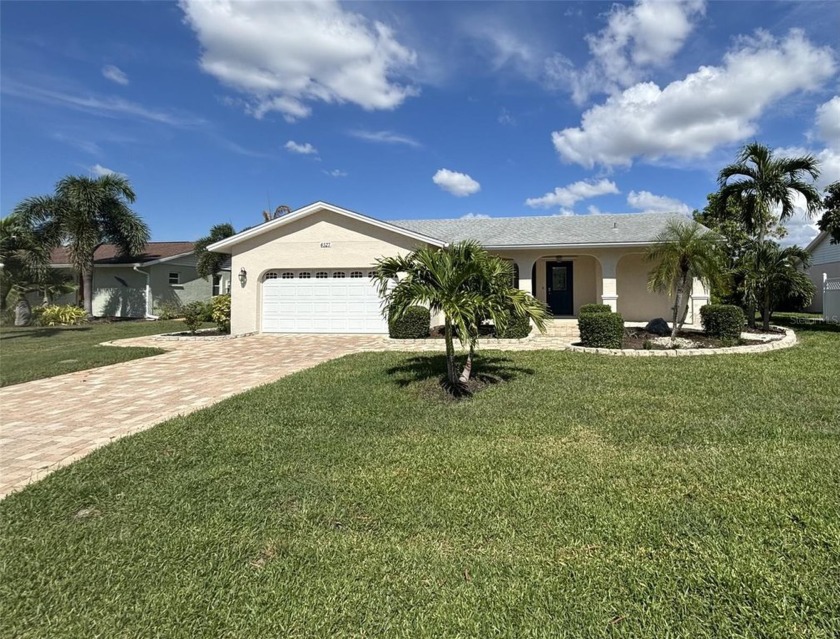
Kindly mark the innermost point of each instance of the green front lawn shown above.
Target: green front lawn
(39, 351)
(587, 496)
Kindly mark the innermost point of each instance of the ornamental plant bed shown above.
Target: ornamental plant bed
(487, 330)
(640, 339)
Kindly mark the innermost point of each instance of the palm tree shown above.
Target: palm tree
(84, 213)
(464, 283)
(830, 220)
(209, 263)
(683, 251)
(772, 274)
(767, 182)
(24, 256)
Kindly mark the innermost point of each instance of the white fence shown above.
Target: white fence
(831, 298)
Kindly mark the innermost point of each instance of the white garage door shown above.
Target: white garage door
(318, 301)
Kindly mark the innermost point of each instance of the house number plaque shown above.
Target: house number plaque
(326, 244)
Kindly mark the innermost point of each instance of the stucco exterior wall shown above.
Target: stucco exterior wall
(300, 245)
(118, 292)
(635, 302)
(191, 289)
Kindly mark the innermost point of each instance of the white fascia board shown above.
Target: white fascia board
(220, 246)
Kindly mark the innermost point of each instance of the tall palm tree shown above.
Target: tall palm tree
(464, 283)
(83, 213)
(683, 251)
(24, 256)
(761, 182)
(208, 263)
(772, 274)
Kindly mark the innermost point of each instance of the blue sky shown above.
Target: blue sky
(215, 110)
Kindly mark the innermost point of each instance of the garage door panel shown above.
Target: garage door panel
(321, 305)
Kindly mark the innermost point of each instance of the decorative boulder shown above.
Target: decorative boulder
(658, 326)
(23, 313)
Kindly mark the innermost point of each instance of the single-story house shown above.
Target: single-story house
(309, 271)
(140, 285)
(825, 265)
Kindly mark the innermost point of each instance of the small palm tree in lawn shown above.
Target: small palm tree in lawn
(772, 274)
(464, 283)
(683, 251)
(83, 213)
(209, 263)
(24, 255)
(761, 183)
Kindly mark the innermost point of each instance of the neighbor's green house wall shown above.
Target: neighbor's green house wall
(120, 291)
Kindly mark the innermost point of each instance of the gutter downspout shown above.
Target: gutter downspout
(148, 275)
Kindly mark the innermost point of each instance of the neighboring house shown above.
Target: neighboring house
(825, 263)
(309, 271)
(140, 285)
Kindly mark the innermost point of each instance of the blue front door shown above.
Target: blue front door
(559, 289)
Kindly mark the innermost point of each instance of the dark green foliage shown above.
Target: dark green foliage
(601, 330)
(414, 324)
(516, 328)
(595, 308)
(221, 312)
(195, 314)
(724, 321)
(830, 220)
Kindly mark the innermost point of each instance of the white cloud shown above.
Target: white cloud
(503, 46)
(302, 149)
(384, 137)
(285, 55)
(475, 216)
(98, 171)
(828, 122)
(567, 196)
(647, 202)
(458, 184)
(708, 108)
(636, 39)
(506, 118)
(115, 74)
(336, 173)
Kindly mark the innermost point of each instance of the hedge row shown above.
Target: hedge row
(414, 324)
(724, 321)
(601, 330)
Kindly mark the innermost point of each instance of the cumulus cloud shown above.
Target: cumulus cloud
(458, 184)
(115, 74)
(384, 137)
(283, 56)
(568, 196)
(636, 39)
(708, 108)
(828, 122)
(475, 216)
(99, 171)
(336, 173)
(302, 149)
(647, 202)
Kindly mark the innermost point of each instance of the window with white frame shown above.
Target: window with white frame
(174, 278)
(217, 285)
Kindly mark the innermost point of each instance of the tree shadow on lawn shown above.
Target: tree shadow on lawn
(48, 331)
(419, 370)
(806, 325)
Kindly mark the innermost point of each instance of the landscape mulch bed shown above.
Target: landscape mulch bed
(635, 339)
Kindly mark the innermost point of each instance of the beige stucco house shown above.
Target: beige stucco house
(164, 274)
(309, 271)
(824, 270)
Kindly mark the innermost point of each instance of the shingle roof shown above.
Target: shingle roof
(109, 254)
(623, 228)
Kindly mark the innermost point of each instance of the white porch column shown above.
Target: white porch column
(609, 282)
(525, 266)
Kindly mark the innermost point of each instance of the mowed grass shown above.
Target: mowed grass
(36, 352)
(586, 496)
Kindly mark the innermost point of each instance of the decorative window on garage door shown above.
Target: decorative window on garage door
(305, 275)
(271, 275)
(339, 274)
(288, 275)
(356, 274)
(321, 275)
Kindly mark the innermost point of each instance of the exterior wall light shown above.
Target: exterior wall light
(243, 276)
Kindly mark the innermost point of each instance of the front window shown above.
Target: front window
(217, 285)
(174, 278)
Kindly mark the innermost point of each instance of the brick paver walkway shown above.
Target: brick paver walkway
(52, 422)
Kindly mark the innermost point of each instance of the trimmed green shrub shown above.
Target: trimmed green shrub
(516, 328)
(221, 312)
(724, 321)
(169, 311)
(601, 330)
(414, 324)
(55, 315)
(595, 308)
(194, 314)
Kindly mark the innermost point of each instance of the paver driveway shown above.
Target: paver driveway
(52, 422)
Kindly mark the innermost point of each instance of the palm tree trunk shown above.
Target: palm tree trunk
(451, 375)
(467, 372)
(765, 315)
(678, 304)
(87, 290)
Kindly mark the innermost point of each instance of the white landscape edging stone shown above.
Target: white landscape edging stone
(786, 341)
(198, 337)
